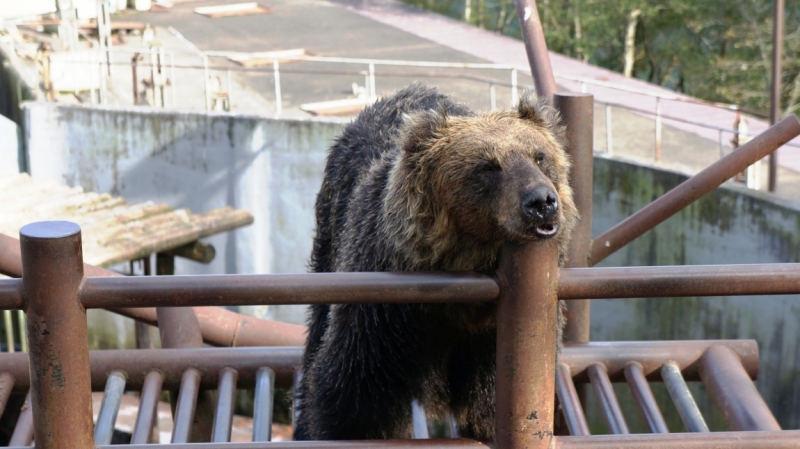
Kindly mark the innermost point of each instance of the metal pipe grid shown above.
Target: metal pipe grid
(56, 294)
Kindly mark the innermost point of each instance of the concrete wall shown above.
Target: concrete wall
(273, 168)
(10, 147)
(731, 225)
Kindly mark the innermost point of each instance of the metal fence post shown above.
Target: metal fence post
(577, 113)
(277, 75)
(526, 345)
(61, 392)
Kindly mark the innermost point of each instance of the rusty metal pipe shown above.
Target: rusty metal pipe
(180, 328)
(577, 114)
(570, 403)
(786, 439)
(674, 281)
(449, 443)
(693, 189)
(612, 413)
(526, 345)
(61, 391)
(643, 395)
(733, 392)
(226, 399)
(6, 387)
(262, 408)
(683, 399)
(652, 355)
(23, 430)
(317, 288)
(148, 408)
(136, 363)
(536, 47)
(220, 326)
(184, 410)
(109, 408)
(11, 294)
(284, 360)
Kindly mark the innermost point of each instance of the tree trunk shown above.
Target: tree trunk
(578, 34)
(467, 10)
(630, 42)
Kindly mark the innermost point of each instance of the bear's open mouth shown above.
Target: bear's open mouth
(546, 229)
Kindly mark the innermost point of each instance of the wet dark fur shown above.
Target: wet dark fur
(364, 364)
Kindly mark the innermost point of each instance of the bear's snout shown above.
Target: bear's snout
(540, 206)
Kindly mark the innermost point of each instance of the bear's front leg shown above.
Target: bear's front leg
(366, 372)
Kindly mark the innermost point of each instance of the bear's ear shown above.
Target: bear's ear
(537, 111)
(420, 128)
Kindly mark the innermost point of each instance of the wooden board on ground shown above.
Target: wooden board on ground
(337, 107)
(266, 58)
(112, 231)
(232, 10)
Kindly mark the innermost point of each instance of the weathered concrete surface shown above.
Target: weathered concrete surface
(731, 225)
(10, 145)
(274, 168)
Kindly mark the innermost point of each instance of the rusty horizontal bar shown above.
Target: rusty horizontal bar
(317, 288)
(220, 327)
(684, 280)
(693, 189)
(324, 288)
(652, 355)
(451, 443)
(10, 294)
(136, 363)
(733, 392)
(787, 439)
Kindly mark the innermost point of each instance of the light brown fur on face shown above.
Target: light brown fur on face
(454, 194)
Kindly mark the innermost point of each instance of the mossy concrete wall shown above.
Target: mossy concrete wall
(274, 168)
(731, 225)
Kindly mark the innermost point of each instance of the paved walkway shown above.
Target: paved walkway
(505, 50)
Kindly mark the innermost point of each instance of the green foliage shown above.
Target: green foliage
(718, 50)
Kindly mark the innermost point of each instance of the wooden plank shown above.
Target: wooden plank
(265, 58)
(236, 9)
(337, 107)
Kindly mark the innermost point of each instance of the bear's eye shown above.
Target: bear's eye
(489, 167)
(539, 158)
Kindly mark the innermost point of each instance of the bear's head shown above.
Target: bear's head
(464, 185)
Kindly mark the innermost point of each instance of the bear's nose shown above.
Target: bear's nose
(541, 203)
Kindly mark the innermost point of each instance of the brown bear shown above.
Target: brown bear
(418, 182)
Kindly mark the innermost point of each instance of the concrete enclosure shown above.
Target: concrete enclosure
(273, 168)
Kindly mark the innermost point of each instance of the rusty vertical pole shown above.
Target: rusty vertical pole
(536, 47)
(577, 113)
(61, 392)
(179, 328)
(775, 91)
(526, 345)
